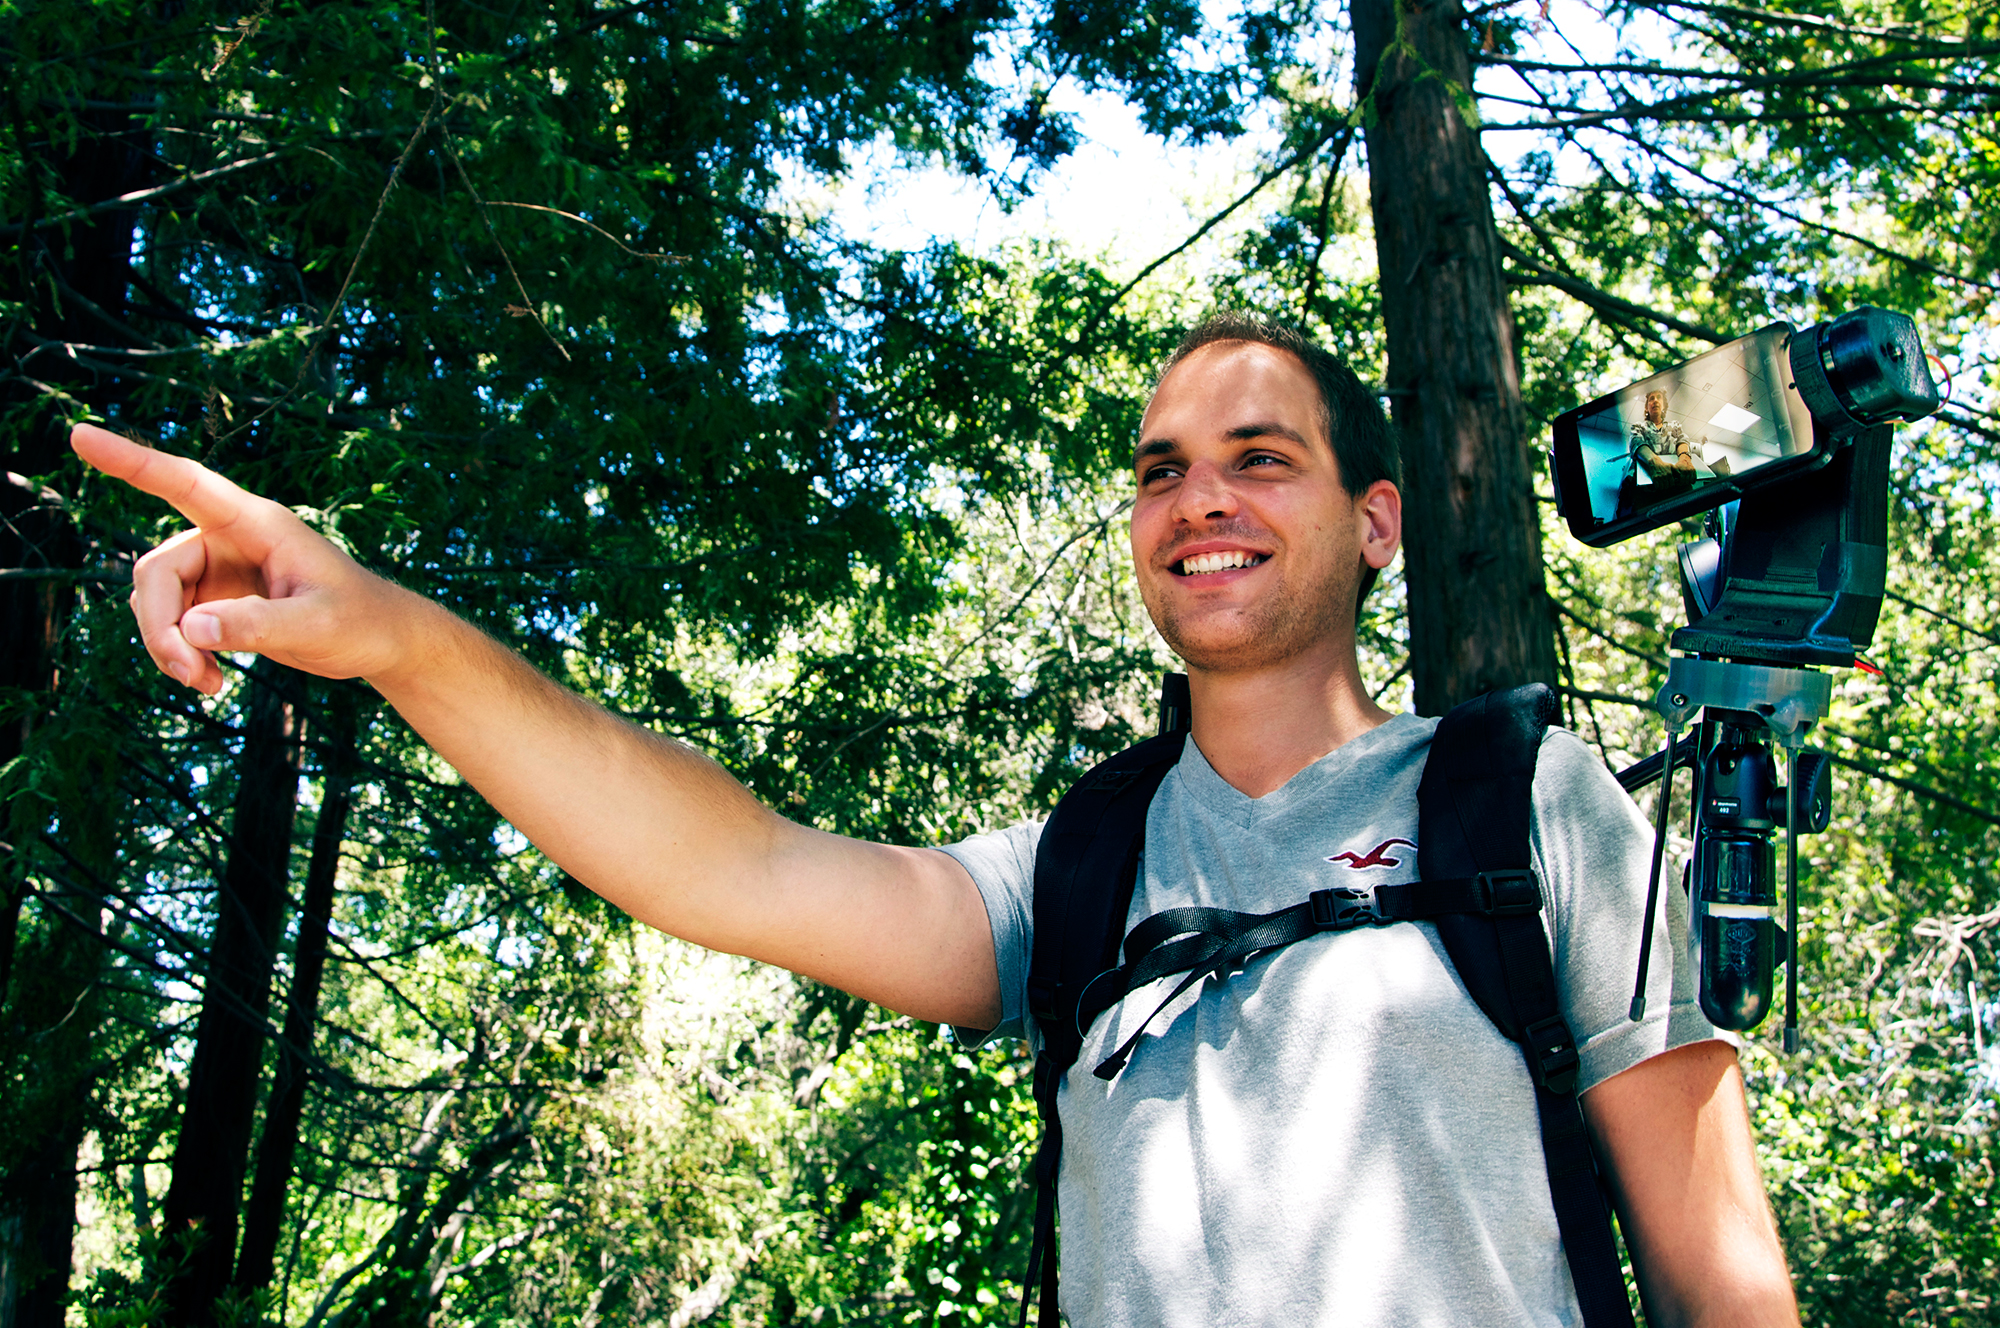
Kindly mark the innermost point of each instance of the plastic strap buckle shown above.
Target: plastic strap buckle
(1508, 894)
(1042, 998)
(1552, 1054)
(1343, 908)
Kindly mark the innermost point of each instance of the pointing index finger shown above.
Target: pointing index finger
(198, 493)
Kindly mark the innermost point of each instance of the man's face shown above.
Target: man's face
(1247, 548)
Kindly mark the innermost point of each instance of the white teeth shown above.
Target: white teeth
(1219, 562)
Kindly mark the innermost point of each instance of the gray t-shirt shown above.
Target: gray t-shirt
(1337, 1134)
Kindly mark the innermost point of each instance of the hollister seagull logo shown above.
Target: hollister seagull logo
(1374, 857)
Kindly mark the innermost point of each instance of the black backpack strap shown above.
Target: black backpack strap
(1085, 869)
(1210, 942)
(1474, 808)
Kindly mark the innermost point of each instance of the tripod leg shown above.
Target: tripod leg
(1638, 1010)
(1791, 900)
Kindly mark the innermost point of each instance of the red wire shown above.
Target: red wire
(1947, 377)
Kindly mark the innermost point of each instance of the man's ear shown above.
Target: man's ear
(1379, 512)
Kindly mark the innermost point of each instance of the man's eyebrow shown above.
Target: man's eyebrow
(1265, 429)
(1153, 447)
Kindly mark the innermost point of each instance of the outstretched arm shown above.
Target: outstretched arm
(1674, 1134)
(653, 826)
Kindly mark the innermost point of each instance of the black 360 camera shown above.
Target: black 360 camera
(1782, 439)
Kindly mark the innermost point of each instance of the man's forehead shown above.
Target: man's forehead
(1240, 389)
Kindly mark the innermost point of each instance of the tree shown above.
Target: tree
(1472, 548)
(518, 304)
(225, 1072)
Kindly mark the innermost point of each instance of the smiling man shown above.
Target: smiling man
(1336, 1135)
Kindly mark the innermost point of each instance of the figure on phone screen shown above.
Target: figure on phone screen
(1670, 462)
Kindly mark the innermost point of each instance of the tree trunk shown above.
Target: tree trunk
(214, 1140)
(73, 284)
(413, 1272)
(1472, 550)
(263, 1217)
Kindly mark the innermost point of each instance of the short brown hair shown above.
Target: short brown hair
(1365, 448)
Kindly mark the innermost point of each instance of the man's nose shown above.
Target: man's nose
(1205, 494)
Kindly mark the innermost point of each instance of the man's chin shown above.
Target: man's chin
(1231, 643)
(1240, 649)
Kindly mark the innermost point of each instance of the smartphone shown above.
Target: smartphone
(1685, 440)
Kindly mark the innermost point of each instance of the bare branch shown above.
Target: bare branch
(1940, 614)
(1344, 131)
(1756, 200)
(1911, 785)
(1528, 272)
(138, 196)
(537, 207)
(1812, 22)
(527, 304)
(1960, 420)
(1834, 74)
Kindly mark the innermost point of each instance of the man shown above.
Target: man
(1672, 461)
(1366, 1181)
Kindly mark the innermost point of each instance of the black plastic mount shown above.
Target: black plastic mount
(1805, 565)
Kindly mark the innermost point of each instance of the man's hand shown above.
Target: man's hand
(1674, 1135)
(250, 576)
(652, 825)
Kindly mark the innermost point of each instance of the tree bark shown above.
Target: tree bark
(263, 1216)
(1472, 550)
(403, 1292)
(73, 285)
(214, 1140)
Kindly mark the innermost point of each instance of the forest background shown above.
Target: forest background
(560, 313)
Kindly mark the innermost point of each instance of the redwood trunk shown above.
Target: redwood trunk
(1472, 550)
(223, 1077)
(47, 976)
(263, 1216)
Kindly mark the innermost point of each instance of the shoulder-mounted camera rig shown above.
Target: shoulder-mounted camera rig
(1782, 439)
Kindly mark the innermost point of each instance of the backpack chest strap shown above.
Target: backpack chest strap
(1208, 942)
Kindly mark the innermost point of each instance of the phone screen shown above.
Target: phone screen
(1659, 443)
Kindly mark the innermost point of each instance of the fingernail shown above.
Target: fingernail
(180, 672)
(202, 629)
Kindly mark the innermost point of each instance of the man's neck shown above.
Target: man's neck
(1257, 728)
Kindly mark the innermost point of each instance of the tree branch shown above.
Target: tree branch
(1814, 22)
(538, 207)
(1343, 129)
(1921, 790)
(1528, 272)
(1838, 75)
(138, 196)
(1860, 767)
(1942, 615)
(1757, 201)
(1959, 420)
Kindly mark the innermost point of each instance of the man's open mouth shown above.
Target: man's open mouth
(1223, 561)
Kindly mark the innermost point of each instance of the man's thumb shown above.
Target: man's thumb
(249, 624)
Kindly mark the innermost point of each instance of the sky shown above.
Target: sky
(1126, 197)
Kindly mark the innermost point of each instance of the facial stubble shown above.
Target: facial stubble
(1285, 622)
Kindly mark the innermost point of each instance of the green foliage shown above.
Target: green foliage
(520, 304)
